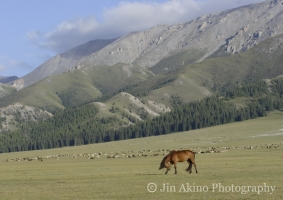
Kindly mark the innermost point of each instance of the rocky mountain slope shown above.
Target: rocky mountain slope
(233, 30)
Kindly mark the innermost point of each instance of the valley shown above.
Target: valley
(75, 175)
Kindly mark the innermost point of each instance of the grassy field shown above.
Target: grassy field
(245, 168)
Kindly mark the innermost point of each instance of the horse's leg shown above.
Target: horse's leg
(194, 163)
(195, 167)
(175, 166)
(167, 170)
(189, 169)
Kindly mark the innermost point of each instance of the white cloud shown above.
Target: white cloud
(137, 16)
(70, 33)
(125, 18)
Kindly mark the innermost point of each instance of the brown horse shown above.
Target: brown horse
(178, 156)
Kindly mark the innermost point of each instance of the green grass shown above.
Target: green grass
(187, 88)
(128, 178)
(177, 60)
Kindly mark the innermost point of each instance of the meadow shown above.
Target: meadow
(248, 165)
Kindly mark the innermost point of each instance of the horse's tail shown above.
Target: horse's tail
(194, 154)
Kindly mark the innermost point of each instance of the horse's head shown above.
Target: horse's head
(164, 162)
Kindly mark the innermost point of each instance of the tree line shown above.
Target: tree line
(80, 125)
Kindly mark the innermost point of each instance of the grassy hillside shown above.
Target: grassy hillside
(69, 173)
(216, 74)
(177, 60)
(74, 88)
(264, 61)
(183, 89)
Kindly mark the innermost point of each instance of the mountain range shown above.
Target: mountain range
(150, 71)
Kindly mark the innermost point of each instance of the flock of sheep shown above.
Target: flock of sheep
(142, 153)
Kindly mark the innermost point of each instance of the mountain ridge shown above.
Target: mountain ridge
(61, 62)
(232, 30)
(7, 79)
(235, 29)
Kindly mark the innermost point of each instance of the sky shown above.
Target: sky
(33, 31)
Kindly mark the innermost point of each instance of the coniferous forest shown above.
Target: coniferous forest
(79, 125)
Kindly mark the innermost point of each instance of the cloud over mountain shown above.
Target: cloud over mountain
(125, 18)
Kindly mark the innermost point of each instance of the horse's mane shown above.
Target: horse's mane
(162, 164)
